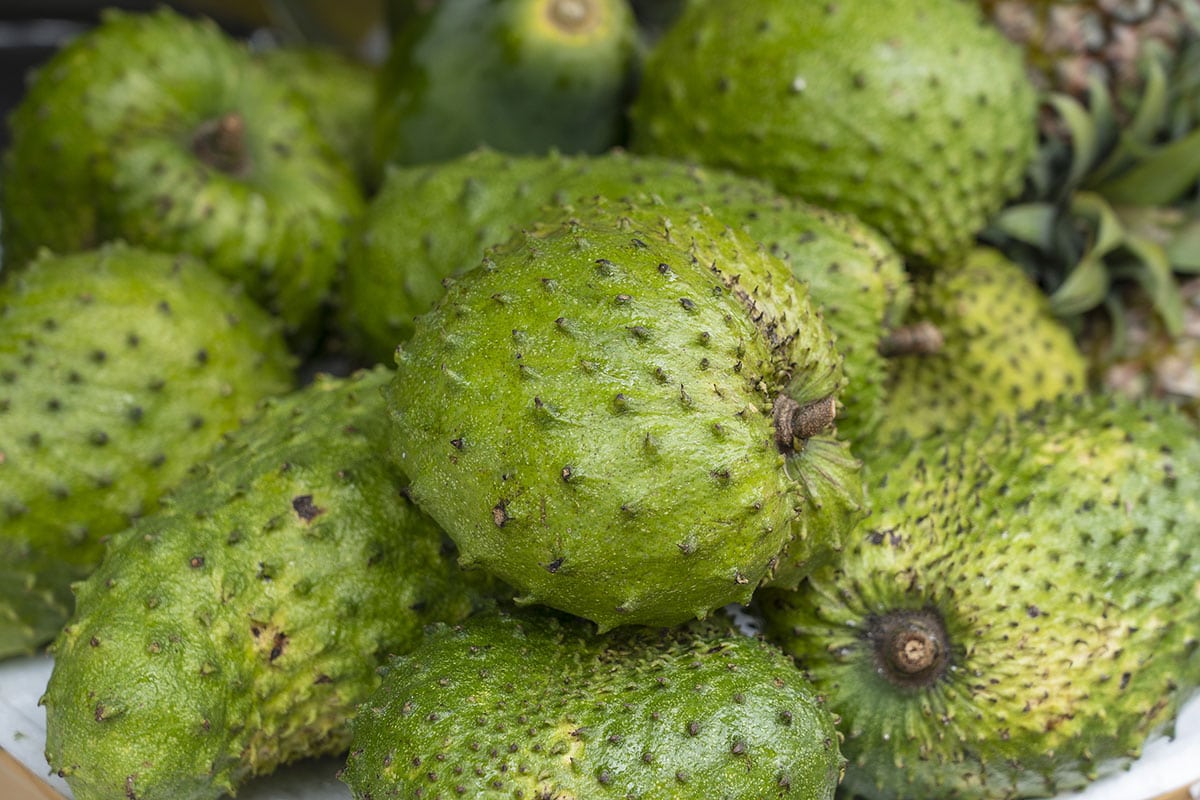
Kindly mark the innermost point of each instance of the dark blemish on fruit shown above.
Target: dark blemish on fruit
(305, 508)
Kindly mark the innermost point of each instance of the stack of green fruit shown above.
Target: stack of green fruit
(633, 325)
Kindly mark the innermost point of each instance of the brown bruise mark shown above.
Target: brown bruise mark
(305, 508)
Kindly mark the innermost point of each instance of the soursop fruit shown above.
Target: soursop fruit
(1020, 615)
(119, 368)
(161, 130)
(916, 117)
(525, 76)
(430, 222)
(237, 629)
(338, 91)
(1000, 349)
(626, 416)
(530, 706)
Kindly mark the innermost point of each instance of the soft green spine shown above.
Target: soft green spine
(589, 414)
(519, 75)
(1059, 550)
(237, 629)
(530, 706)
(103, 149)
(916, 117)
(431, 222)
(1004, 350)
(119, 369)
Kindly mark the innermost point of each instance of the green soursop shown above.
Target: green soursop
(119, 369)
(626, 416)
(529, 706)
(524, 76)
(917, 117)
(999, 348)
(163, 131)
(1022, 611)
(339, 93)
(237, 629)
(431, 222)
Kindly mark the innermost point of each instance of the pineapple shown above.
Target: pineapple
(1070, 44)
(1109, 221)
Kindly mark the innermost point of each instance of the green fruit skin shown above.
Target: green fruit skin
(588, 413)
(237, 629)
(1058, 549)
(916, 117)
(339, 93)
(528, 706)
(1005, 350)
(119, 368)
(103, 148)
(428, 223)
(507, 73)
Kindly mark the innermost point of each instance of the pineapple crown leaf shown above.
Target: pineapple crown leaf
(1116, 252)
(1159, 177)
(1029, 223)
(1087, 284)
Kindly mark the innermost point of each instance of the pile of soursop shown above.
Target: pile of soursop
(451, 415)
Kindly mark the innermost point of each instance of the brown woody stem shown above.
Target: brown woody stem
(221, 144)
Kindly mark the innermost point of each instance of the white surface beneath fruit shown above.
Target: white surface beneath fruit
(1165, 766)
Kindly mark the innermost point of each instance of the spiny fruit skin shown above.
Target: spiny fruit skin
(523, 76)
(1022, 611)
(916, 117)
(119, 368)
(1004, 349)
(165, 132)
(602, 413)
(237, 629)
(530, 706)
(338, 91)
(431, 222)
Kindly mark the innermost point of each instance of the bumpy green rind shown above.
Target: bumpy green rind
(237, 629)
(119, 369)
(1058, 551)
(523, 76)
(431, 222)
(1004, 349)
(589, 414)
(337, 91)
(103, 147)
(916, 117)
(528, 706)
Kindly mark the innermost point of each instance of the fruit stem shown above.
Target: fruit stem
(221, 144)
(571, 16)
(911, 647)
(918, 339)
(794, 421)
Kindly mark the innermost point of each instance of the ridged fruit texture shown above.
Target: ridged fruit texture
(916, 117)
(163, 131)
(237, 629)
(592, 415)
(1004, 350)
(431, 222)
(528, 706)
(524, 76)
(119, 369)
(1020, 614)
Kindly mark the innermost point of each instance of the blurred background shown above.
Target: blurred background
(30, 30)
